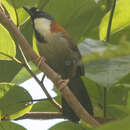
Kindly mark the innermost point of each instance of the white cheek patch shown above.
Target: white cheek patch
(42, 25)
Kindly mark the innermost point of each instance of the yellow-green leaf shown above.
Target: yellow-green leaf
(7, 45)
(121, 18)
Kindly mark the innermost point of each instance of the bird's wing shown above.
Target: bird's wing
(55, 28)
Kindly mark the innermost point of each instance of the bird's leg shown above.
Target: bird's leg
(62, 83)
(40, 60)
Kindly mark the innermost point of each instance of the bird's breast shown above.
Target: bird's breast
(57, 53)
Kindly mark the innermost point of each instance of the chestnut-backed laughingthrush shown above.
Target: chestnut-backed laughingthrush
(62, 55)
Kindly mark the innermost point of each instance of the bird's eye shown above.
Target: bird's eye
(37, 10)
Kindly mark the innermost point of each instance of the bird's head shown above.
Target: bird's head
(35, 13)
(43, 22)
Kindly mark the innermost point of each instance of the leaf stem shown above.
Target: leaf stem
(110, 22)
(16, 17)
(107, 40)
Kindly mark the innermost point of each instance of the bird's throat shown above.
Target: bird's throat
(42, 26)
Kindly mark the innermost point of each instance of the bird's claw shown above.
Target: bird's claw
(40, 60)
(62, 83)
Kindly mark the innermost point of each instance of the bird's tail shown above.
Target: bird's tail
(78, 88)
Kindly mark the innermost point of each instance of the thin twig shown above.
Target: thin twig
(43, 77)
(53, 101)
(28, 68)
(58, 115)
(42, 115)
(28, 102)
(107, 40)
(12, 58)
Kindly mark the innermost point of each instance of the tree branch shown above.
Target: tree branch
(42, 115)
(67, 94)
(56, 115)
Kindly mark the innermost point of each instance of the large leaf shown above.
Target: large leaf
(120, 20)
(24, 75)
(44, 106)
(108, 72)
(16, 11)
(116, 125)
(67, 126)
(11, 11)
(115, 95)
(100, 66)
(20, 3)
(6, 125)
(80, 18)
(8, 70)
(14, 101)
(7, 45)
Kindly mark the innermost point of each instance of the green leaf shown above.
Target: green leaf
(6, 125)
(67, 126)
(10, 10)
(96, 95)
(116, 125)
(108, 72)
(101, 64)
(24, 75)
(120, 20)
(115, 95)
(7, 45)
(80, 18)
(8, 70)
(44, 106)
(14, 101)
(121, 108)
(93, 50)
(22, 16)
(14, 6)
(20, 3)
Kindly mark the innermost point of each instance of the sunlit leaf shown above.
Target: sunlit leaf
(7, 45)
(11, 11)
(120, 20)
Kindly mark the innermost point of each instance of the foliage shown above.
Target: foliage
(106, 64)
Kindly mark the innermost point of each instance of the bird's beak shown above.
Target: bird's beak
(27, 10)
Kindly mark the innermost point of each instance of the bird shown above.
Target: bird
(62, 55)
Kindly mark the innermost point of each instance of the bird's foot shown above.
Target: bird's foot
(62, 83)
(40, 60)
